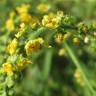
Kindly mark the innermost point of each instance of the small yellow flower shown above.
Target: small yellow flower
(80, 81)
(24, 8)
(21, 30)
(22, 25)
(62, 52)
(12, 14)
(40, 40)
(10, 24)
(60, 13)
(77, 74)
(8, 68)
(51, 21)
(22, 63)
(79, 78)
(12, 47)
(33, 45)
(76, 41)
(59, 38)
(25, 17)
(43, 8)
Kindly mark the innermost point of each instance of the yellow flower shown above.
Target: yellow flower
(79, 78)
(51, 21)
(40, 40)
(33, 45)
(76, 41)
(10, 24)
(23, 8)
(60, 13)
(12, 14)
(25, 17)
(8, 68)
(21, 30)
(59, 38)
(77, 74)
(12, 47)
(43, 8)
(22, 63)
(62, 52)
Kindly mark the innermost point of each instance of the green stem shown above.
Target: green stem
(38, 32)
(47, 64)
(78, 65)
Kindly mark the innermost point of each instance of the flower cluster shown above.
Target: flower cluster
(33, 45)
(51, 20)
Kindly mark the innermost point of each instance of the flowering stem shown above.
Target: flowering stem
(78, 65)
